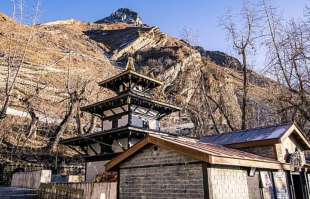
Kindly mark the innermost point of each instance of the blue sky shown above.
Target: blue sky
(201, 16)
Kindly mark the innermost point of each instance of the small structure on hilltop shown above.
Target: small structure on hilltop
(256, 163)
(125, 118)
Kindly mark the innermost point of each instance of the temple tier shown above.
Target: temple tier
(125, 118)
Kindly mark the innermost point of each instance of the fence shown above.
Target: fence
(7, 170)
(31, 179)
(74, 190)
(54, 191)
(102, 190)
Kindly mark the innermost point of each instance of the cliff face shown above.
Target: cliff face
(206, 84)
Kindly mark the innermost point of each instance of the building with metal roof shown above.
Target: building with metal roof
(259, 163)
(257, 136)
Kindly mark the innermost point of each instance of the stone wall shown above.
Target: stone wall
(156, 156)
(155, 172)
(227, 183)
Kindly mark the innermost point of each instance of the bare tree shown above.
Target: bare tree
(273, 40)
(207, 107)
(288, 44)
(75, 91)
(189, 36)
(16, 56)
(243, 42)
(84, 129)
(204, 102)
(28, 99)
(75, 96)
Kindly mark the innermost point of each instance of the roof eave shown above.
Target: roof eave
(88, 108)
(299, 132)
(197, 154)
(127, 72)
(91, 137)
(254, 143)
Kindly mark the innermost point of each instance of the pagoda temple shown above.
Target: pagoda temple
(125, 118)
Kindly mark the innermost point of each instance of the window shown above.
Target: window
(114, 123)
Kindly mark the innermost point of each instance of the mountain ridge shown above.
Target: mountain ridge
(201, 81)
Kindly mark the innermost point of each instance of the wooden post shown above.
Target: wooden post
(273, 185)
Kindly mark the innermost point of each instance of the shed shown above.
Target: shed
(162, 166)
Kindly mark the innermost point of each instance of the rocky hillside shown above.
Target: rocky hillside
(207, 84)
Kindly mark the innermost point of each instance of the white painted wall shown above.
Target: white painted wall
(220, 180)
(290, 144)
(123, 121)
(106, 125)
(93, 169)
(154, 124)
(138, 122)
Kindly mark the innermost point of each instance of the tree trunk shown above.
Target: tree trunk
(245, 90)
(208, 103)
(4, 107)
(63, 125)
(32, 130)
(92, 124)
(78, 121)
(33, 125)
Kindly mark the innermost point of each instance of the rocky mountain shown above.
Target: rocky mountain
(65, 54)
(123, 15)
(220, 58)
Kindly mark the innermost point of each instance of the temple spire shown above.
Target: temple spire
(130, 64)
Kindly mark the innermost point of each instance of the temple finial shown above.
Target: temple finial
(130, 64)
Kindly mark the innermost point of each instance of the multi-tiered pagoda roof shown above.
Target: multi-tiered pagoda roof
(129, 116)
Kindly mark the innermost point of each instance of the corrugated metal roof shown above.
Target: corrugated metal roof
(256, 134)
